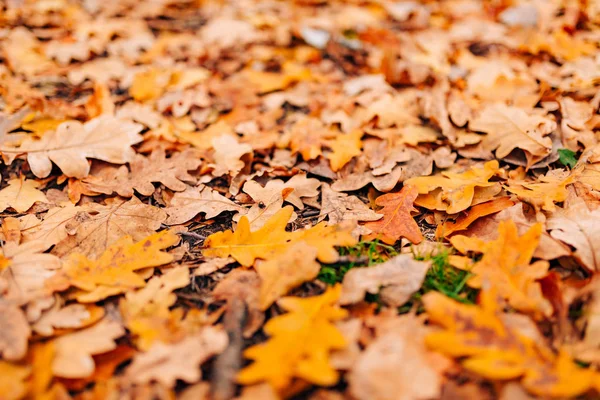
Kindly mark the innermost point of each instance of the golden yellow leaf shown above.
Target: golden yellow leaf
(292, 268)
(272, 239)
(547, 190)
(21, 194)
(480, 210)
(148, 85)
(13, 385)
(114, 271)
(453, 192)
(345, 148)
(270, 81)
(300, 343)
(507, 263)
(497, 351)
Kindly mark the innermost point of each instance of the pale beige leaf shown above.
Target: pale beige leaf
(20, 195)
(398, 277)
(166, 363)
(194, 200)
(52, 229)
(228, 154)
(338, 207)
(72, 143)
(301, 185)
(74, 351)
(71, 316)
(15, 331)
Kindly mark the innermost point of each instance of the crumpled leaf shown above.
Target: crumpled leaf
(340, 207)
(299, 344)
(480, 210)
(496, 351)
(21, 194)
(580, 228)
(397, 221)
(166, 363)
(98, 227)
(395, 280)
(510, 128)
(301, 185)
(272, 239)
(74, 351)
(454, 192)
(200, 199)
(292, 268)
(114, 271)
(507, 263)
(72, 143)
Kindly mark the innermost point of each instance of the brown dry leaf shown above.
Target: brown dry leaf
(166, 363)
(15, 331)
(20, 195)
(579, 227)
(72, 143)
(397, 365)
(395, 280)
(397, 221)
(340, 207)
(507, 263)
(292, 268)
(115, 270)
(474, 213)
(227, 155)
(74, 351)
(454, 192)
(72, 316)
(510, 128)
(194, 200)
(92, 231)
(300, 184)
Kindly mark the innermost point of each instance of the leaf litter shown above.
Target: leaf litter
(299, 199)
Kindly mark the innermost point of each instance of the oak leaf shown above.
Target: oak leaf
(13, 380)
(397, 221)
(547, 190)
(510, 128)
(497, 351)
(97, 227)
(272, 239)
(301, 185)
(115, 270)
(72, 143)
(21, 194)
(299, 344)
(507, 263)
(227, 155)
(340, 207)
(579, 227)
(74, 351)
(292, 268)
(345, 147)
(395, 280)
(454, 192)
(166, 363)
(15, 331)
(480, 210)
(53, 228)
(72, 316)
(194, 200)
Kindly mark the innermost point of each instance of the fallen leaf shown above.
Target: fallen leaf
(476, 212)
(20, 195)
(272, 239)
(200, 199)
(228, 154)
(496, 351)
(53, 228)
(72, 143)
(74, 351)
(542, 194)
(13, 380)
(340, 207)
(166, 363)
(15, 331)
(454, 192)
(301, 185)
(300, 342)
(345, 148)
(397, 221)
(92, 231)
(115, 270)
(292, 268)
(395, 280)
(72, 316)
(506, 261)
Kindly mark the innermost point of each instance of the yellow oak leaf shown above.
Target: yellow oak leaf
(292, 268)
(397, 221)
(21, 194)
(271, 81)
(300, 343)
(148, 85)
(453, 192)
(507, 263)
(345, 147)
(547, 190)
(272, 239)
(42, 125)
(115, 270)
(13, 385)
(495, 350)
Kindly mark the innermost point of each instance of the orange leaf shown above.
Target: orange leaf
(397, 221)
(476, 212)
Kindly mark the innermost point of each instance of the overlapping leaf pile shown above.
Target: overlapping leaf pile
(195, 194)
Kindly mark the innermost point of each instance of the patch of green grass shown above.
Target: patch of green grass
(361, 254)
